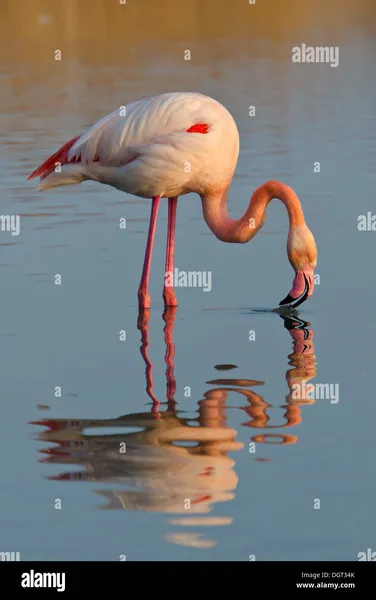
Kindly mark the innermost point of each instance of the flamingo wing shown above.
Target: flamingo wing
(122, 134)
(153, 135)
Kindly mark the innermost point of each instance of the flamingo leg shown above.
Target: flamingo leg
(168, 289)
(143, 291)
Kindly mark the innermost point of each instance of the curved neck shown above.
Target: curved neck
(214, 206)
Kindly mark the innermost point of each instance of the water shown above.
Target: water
(197, 404)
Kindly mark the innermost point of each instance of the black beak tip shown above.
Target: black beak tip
(295, 302)
(287, 300)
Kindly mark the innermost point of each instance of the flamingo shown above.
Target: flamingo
(170, 145)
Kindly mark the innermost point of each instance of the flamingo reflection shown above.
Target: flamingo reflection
(173, 463)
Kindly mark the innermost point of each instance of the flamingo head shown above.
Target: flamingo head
(302, 254)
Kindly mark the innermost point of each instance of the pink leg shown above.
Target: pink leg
(143, 291)
(168, 290)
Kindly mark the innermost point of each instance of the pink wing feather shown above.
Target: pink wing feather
(119, 137)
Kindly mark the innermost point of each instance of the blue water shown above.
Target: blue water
(68, 491)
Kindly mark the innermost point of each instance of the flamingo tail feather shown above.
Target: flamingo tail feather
(69, 175)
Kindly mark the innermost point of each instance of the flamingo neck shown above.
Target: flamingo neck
(214, 206)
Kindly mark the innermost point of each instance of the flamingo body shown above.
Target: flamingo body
(168, 146)
(146, 148)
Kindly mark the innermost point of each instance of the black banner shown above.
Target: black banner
(112, 577)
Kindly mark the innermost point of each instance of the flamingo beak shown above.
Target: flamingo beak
(302, 288)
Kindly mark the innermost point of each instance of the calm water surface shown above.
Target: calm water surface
(188, 407)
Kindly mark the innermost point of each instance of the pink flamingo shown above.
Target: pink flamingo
(170, 145)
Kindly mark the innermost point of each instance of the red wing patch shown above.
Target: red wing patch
(199, 128)
(61, 156)
(202, 499)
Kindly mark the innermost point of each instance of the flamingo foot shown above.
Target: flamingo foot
(169, 298)
(144, 300)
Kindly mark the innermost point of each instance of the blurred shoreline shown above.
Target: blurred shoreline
(88, 29)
